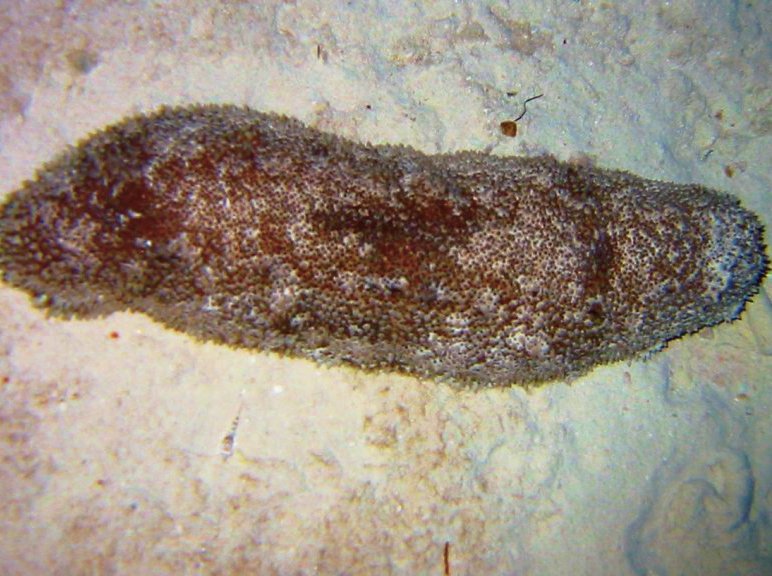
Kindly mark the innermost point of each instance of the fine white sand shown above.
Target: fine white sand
(129, 449)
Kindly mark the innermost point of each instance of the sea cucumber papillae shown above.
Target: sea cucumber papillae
(254, 230)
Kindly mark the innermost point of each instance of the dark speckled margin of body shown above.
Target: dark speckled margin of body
(254, 230)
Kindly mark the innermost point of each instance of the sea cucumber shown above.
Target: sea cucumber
(257, 231)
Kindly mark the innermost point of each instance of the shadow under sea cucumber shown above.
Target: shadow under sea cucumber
(254, 230)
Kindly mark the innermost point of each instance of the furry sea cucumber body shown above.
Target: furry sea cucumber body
(253, 230)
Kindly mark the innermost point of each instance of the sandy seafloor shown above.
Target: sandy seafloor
(113, 431)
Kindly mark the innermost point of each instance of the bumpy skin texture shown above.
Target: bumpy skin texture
(254, 230)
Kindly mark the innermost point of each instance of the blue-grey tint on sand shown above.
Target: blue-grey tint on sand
(254, 230)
